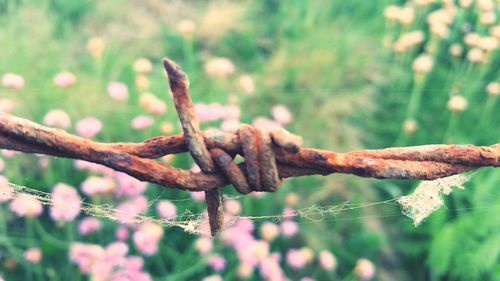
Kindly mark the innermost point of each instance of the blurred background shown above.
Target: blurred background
(345, 75)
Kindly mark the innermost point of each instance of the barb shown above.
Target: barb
(187, 115)
(426, 162)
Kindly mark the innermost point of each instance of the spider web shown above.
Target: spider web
(426, 199)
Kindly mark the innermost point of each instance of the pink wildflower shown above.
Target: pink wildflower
(33, 255)
(121, 233)
(66, 203)
(64, 79)
(96, 185)
(26, 205)
(269, 231)
(12, 81)
(270, 268)
(203, 245)
(209, 112)
(88, 225)
(88, 127)
(266, 123)
(296, 259)
(129, 186)
(142, 122)
(327, 260)
(232, 207)
(365, 269)
(246, 84)
(57, 118)
(118, 91)
(289, 228)
(198, 195)
(281, 114)
(216, 262)
(166, 209)
(146, 239)
(230, 125)
(219, 67)
(6, 105)
(128, 211)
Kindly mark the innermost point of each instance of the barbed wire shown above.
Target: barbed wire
(269, 156)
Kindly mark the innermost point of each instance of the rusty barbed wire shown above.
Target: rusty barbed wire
(269, 157)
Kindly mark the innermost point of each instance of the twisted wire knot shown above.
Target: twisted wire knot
(261, 172)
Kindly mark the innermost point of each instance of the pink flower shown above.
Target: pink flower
(231, 112)
(166, 209)
(198, 195)
(6, 105)
(88, 225)
(106, 263)
(219, 67)
(33, 255)
(203, 245)
(244, 270)
(26, 205)
(230, 125)
(209, 112)
(142, 122)
(246, 84)
(13, 81)
(288, 212)
(118, 91)
(270, 268)
(64, 79)
(66, 203)
(121, 233)
(115, 253)
(88, 127)
(269, 231)
(57, 118)
(265, 123)
(196, 169)
(128, 211)
(216, 262)
(93, 167)
(146, 239)
(128, 186)
(5, 189)
(327, 260)
(252, 252)
(306, 279)
(281, 114)
(9, 153)
(152, 104)
(296, 259)
(95, 185)
(85, 255)
(143, 66)
(365, 269)
(289, 228)
(232, 207)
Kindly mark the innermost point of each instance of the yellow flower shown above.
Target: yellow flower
(95, 46)
(457, 103)
(493, 89)
(422, 64)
